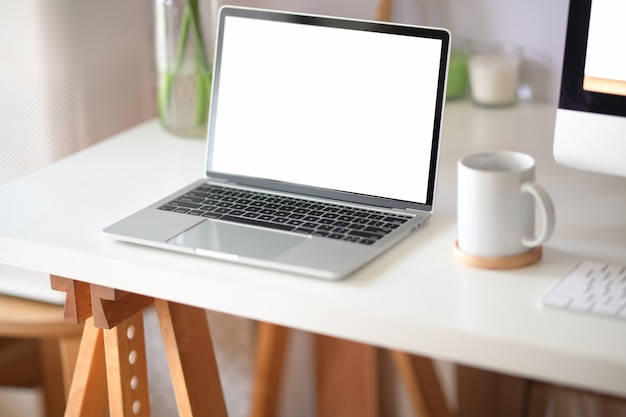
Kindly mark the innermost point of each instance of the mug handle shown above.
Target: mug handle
(546, 209)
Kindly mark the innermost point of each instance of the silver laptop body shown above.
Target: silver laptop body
(312, 118)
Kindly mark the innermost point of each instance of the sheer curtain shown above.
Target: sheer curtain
(71, 73)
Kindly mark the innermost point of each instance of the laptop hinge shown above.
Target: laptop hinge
(409, 210)
(219, 180)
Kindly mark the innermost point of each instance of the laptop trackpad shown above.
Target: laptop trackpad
(233, 239)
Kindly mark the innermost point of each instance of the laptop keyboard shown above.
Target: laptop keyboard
(288, 214)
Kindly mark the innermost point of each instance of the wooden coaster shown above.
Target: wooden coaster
(502, 262)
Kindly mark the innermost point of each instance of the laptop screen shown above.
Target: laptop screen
(328, 103)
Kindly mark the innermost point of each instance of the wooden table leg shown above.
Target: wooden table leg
(191, 358)
(88, 391)
(271, 343)
(127, 376)
(347, 378)
(346, 375)
(540, 398)
(422, 384)
(384, 10)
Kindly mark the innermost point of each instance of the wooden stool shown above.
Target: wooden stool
(26, 324)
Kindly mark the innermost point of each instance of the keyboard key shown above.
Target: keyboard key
(320, 234)
(187, 204)
(255, 222)
(366, 235)
(190, 199)
(376, 230)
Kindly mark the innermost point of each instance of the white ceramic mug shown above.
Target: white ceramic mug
(496, 205)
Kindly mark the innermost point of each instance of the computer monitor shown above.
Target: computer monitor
(590, 130)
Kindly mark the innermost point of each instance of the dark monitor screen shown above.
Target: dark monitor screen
(589, 75)
(590, 128)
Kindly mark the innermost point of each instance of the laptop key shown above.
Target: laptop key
(366, 235)
(320, 234)
(376, 216)
(256, 222)
(191, 199)
(187, 204)
(398, 220)
(376, 230)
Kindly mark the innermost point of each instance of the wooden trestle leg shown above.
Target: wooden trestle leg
(110, 376)
(191, 358)
(271, 344)
(127, 376)
(88, 389)
(348, 378)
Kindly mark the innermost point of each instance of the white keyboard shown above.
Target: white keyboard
(591, 287)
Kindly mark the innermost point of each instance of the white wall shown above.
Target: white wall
(538, 26)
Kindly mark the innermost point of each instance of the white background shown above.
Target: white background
(607, 34)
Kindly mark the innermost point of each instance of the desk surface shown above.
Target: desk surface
(413, 298)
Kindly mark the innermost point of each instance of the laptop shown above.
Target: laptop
(322, 148)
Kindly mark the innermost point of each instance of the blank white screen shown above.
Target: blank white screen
(334, 108)
(607, 32)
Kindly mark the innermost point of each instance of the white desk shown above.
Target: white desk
(414, 298)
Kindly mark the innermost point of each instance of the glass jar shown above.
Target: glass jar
(184, 39)
(494, 73)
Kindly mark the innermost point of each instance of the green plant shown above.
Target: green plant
(190, 25)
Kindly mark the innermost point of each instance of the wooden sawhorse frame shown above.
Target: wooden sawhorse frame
(111, 373)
